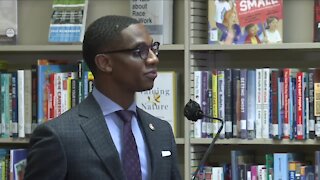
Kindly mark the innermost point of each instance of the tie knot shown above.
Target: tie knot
(125, 115)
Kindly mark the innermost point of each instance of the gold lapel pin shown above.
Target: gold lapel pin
(151, 127)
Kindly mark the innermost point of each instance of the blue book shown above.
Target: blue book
(18, 163)
(281, 164)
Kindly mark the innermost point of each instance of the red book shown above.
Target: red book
(299, 106)
(286, 80)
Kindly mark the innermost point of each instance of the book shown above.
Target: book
(157, 16)
(68, 21)
(161, 100)
(18, 163)
(245, 22)
(316, 27)
(8, 21)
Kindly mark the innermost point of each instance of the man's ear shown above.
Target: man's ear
(103, 63)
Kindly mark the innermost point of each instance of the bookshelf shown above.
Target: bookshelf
(298, 50)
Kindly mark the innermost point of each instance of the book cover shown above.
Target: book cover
(157, 16)
(68, 21)
(8, 21)
(18, 163)
(245, 22)
(161, 100)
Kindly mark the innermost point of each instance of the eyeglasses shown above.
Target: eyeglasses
(141, 50)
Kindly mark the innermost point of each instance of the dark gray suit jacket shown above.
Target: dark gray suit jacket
(78, 146)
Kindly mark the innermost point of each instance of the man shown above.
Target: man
(93, 140)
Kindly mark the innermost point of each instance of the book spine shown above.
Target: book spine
(311, 104)
(228, 103)
(21, 104)
(286, 77)
(204, 103)
(275, 104)
(236, 101)
(28, 101)
(265, 102)
(299, 106)
(197, 98)
(215, 105)
(251, 93)
(280, 105)
(14, 87)
(243, 104)
(210, 112)
(258, 103)
(34, 98)
(221, 100)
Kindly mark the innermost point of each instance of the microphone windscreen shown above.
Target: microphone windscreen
(192, 111)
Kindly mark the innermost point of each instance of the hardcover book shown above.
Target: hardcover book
(8, 21)
(68, 21)
(245, 22)
(157, 16)
(161, 100)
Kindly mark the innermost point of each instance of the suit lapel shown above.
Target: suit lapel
(151, 139)
(94, 126)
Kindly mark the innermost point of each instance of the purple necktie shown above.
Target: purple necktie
(130, 156)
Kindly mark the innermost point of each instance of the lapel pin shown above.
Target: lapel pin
(151, 127)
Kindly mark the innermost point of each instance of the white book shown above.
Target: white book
(8, 21)
(197, 98)
(217, 173)
(21, 118)
(157, 16)
(265, 102)
(161, 100)
(25, 102)
(258, 103)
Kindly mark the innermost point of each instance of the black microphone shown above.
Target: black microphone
(193, 112)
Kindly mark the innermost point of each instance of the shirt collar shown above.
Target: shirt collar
(107, 105)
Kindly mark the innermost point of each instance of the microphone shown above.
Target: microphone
(193, 112)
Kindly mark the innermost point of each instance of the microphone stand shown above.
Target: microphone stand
(209, 150)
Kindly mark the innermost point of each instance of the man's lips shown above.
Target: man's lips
(151, 74)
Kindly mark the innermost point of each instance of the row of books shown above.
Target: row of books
(243, 166)
(68, 20)
(250, 22)
(258, 103)
(33, 96)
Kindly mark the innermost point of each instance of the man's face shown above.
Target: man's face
(130, 72)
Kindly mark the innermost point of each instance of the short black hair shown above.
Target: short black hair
(102, 34)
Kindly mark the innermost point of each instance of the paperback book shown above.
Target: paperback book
(68, 21)
(157, 17)
(8, 21)
(161, 100)
(245, 22)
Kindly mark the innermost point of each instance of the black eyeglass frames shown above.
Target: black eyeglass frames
(142, 50)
